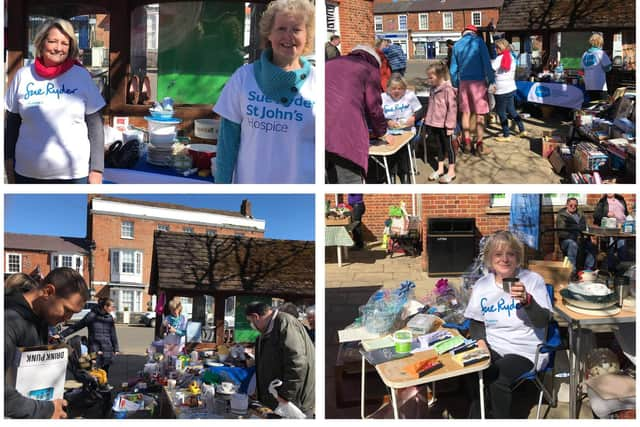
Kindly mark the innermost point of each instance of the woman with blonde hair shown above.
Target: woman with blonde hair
(267, 134)
(504, 66)
(54, 131)
(596, 63)
(508, 317)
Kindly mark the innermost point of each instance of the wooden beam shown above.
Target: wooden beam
(218, 317)
(16, 37)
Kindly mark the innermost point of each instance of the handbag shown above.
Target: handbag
(122, 156)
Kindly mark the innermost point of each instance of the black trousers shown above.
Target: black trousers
(440, 138)
(356, 214)
(499, 379)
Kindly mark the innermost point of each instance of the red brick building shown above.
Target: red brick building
(28, 252)
(422, 27)
(122, 232)
(490, 211)
(352, 20)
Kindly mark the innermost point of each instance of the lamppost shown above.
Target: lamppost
(92, 248)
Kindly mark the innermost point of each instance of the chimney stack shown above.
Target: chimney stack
(245, 208)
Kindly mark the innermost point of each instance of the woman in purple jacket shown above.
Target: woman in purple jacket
(441, 119)
(353, 105)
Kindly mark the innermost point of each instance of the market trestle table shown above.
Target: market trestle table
(577, 321)
(338, 235)
(394, 377)
(394, 144)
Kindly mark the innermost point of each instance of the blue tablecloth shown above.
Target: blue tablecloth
(148, 173)
(556, 94)
(235, 375)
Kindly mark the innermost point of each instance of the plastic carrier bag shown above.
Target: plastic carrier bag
(285, 410)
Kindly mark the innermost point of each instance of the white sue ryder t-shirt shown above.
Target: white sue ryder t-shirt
(277, 143)
(401, 109)
(594, 62)
(53, 142)
(509, 330)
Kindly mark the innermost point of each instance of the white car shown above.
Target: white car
(88, 306)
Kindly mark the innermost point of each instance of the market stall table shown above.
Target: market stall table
(394, 144)
(338, 235)
(171, 407)
(551, 93)
(393, 375)
(575, 322)
(146, 173)
(607, 237)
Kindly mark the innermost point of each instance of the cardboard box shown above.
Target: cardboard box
(550, 144)
(559, 164)
(330, 221)
(553, 272)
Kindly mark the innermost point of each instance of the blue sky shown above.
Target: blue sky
(287, 216)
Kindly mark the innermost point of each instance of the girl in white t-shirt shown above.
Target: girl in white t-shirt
(510, 324)
(400, 107)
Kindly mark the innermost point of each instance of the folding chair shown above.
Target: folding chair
(552, 344)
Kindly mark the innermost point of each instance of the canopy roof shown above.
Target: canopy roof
(201, 264)
(566, 15)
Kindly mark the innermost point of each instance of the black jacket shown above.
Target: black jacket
(102, 334)
(22, 329)
(570, 229)
(602, 208)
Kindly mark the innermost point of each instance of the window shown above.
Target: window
(378, 24)
(212, 233)
(423, 21)
(402, 22)
(188, 230)
(126, 230)
(476, 18)
(163, 227)
(447, 20)
(14, 263)
(74, 261)
(554, 199)
(126, 265)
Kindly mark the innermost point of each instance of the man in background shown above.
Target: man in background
(331, 47)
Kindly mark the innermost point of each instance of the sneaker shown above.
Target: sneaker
(523, 134)
(446, 179)
(502, 138)
(435, 176)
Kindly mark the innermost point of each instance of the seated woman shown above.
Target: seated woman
(509, 324)
(401, 108)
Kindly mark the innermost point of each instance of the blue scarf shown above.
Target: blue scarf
(279, 85)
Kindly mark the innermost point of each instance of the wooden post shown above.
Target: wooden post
(218, 317)
(16, 37)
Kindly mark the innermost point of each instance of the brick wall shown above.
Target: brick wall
(33, 259)
(461, 18)
(356, 24)
(463, 206)
(105, 231)
(377, 211)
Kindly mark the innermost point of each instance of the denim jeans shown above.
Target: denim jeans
(505, 104)
(570, 249)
